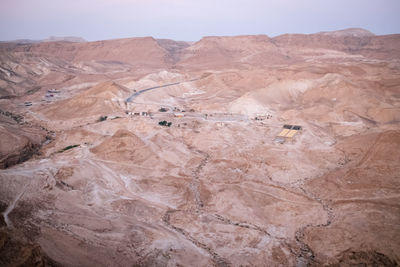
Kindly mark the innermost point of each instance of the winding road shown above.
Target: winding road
(129, 99)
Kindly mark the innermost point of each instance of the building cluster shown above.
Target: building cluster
(262, 116)
(142, 113)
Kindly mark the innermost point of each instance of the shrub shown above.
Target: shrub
(103, 118)
(67, 148)
(163, 110)
(165, 123)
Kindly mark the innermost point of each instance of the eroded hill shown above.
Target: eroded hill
(230, 151)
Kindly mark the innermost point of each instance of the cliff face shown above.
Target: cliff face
(18, 142)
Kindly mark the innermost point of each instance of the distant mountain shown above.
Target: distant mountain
(352, 41)
(71, 39)
(22, 41)
(228, 51)
(140, 52)
(22, 61)
(354, 32)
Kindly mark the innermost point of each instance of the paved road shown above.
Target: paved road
(129, 99)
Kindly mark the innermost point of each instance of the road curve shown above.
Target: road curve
(129, 99)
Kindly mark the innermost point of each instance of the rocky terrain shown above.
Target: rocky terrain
(152, 152)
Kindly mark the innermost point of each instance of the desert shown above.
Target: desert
(242, 150)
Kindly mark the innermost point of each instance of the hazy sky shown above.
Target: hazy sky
(191, 19)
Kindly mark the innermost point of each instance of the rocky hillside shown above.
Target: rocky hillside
(230, 151)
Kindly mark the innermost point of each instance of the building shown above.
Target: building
(262, 116)
(179, 115)
(288, 132)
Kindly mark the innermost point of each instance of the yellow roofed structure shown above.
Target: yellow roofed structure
(288, 132)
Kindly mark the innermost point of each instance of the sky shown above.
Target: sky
(190, 20)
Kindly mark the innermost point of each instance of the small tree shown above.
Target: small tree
(169, 124)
